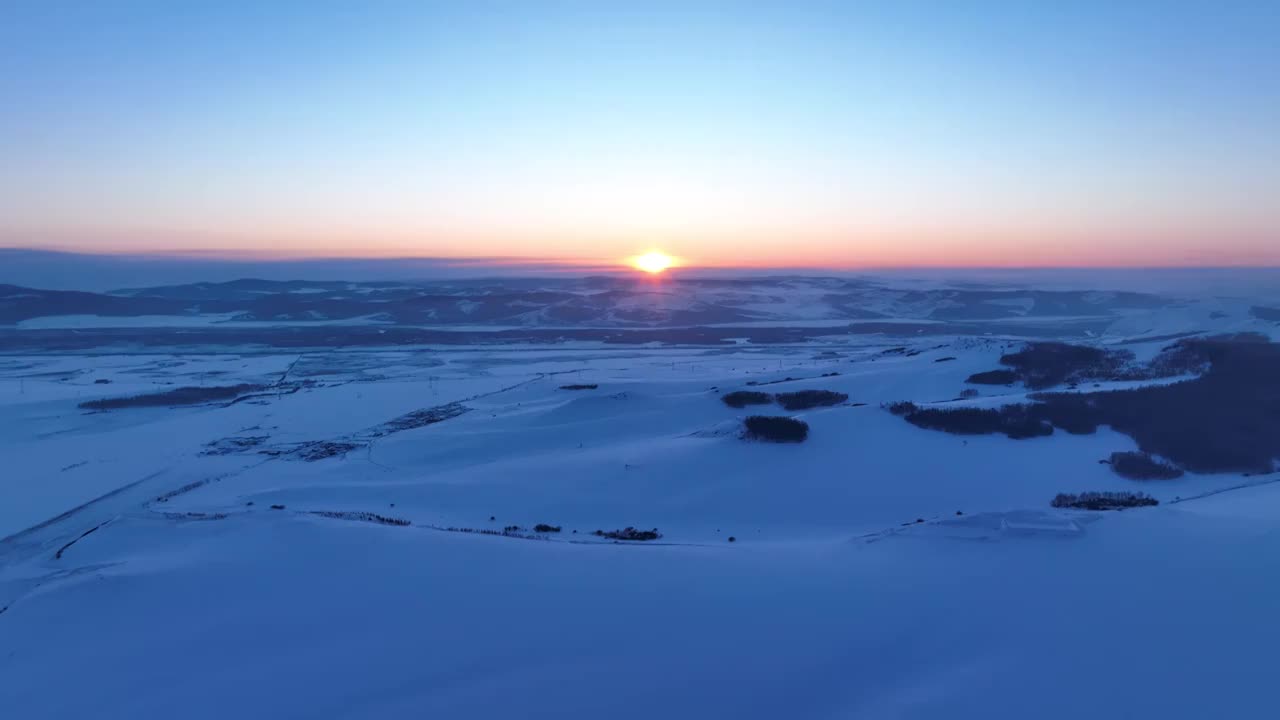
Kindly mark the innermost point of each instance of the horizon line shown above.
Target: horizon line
(498, 262)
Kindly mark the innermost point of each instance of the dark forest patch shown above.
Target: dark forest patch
(775, 428)
(743, 398)
(1042, 365)
(805, 399)
(1225, 420)
(901, 407)
(629, 533)
(994, 377)
(169, 398)
(1142, 466)
(1015, 421)
(580, 386)
(1103, 500)
(1045, 364)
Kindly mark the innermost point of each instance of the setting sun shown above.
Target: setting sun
(652, 262)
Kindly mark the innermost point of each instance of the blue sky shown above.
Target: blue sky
(877, 133)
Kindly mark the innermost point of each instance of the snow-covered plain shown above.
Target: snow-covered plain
(188, 562)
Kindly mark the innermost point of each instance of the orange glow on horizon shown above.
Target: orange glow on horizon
(835, 248)
(652, 262)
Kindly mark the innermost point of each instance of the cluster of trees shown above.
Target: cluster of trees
(508, 531)
(901, 407)
(1042, 365)
(1046, 364)
(776, 428)
(362, 516)
(629, 533)
(545, 528)
(1142, 466)
(1103, 500)
(1225, 420)
(798, 400)
(805, 399)
(580, 386)
(994, 377)
(177, 396)
(421, 418)
(1016, 421)
(743, 398)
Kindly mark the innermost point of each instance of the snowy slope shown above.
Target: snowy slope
(1167, 613)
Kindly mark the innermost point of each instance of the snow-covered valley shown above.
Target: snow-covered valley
(356, 532)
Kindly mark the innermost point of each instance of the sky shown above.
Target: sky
(818, 134)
